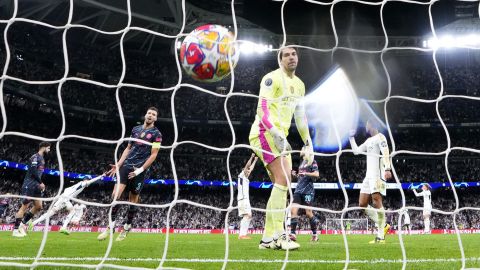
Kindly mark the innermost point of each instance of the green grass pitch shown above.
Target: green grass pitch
(208, 251)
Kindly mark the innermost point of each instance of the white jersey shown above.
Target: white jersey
(406, 218)
(73, 191)
(378, 159)
(79, 208)
(243, 185)
(427, 198)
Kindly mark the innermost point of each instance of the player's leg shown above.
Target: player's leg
(363, 201)
(294, 219)
(245, 211)
(68, 218)
(426, 221)
(57, 206)
(377, 200)
(18, 218)
(37, 207)
(313, 223)
(135, 187)
(116, 195)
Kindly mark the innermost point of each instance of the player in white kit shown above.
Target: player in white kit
(73, 217)
(243, 197)
(378, 172)
(63, 202)
(427, 206)
(406, 220)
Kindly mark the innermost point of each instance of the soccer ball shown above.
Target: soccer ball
(206, 51)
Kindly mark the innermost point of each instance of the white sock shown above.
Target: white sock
(42, 218)
(67, 219)
(381, 223)
(372, 214)
(244, 224)
(427, 225)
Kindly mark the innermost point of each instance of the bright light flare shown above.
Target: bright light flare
(332, 111)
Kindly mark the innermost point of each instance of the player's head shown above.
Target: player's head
(288, 58)
(44, 147)
(371, 127)
(151, 115)
(425, 187)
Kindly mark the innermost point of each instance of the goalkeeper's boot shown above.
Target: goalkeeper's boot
(267, 245)
(284, 242)
(104, 234)
(30, 225)
(314, 238)
(386, 229)
(123, 234)
(377, 240)
(22, 229)
(64, 231)
(17, 233)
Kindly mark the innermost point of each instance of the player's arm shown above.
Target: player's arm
(113, 167)
(314, 172)
(357, 149)
(302, 127)
(383, 145)
(268, 87)
(418, 194)
(157, 142)
(33, 171)
(91, 181)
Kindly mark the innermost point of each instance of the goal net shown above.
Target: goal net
(212, 119)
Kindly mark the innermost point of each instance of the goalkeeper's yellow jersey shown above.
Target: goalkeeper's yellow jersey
(278, 98)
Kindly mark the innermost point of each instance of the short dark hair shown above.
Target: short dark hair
(44, 144)
(281, 51)
(152, 109)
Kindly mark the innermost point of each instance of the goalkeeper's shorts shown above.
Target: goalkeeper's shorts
(262, 139)
(374, 185)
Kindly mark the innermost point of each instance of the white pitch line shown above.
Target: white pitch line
(196, 260)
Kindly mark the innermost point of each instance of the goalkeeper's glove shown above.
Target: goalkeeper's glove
(308, 148)
(279, 140)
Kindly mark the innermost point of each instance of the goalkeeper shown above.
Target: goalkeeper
(63, 202)
(280, 98)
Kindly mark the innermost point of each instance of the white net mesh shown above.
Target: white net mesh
(38, 261)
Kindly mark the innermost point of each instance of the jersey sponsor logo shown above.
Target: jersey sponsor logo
(149, 136)
(268, 82)
(142, 135)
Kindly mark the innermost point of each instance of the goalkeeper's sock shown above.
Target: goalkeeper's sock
(268, 232)
(427, 225)
(293, 225)
(314, 224)
(279, 203)
(114, 212)
(381, 223)
(132, 210)
(372, 214)
(17, 223)
(244, 224)
(27, 217)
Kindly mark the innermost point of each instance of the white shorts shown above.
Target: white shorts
(62, 204)
(374, 185)
(244, 207)
(427, 211)
(75, 219)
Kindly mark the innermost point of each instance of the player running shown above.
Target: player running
(63, 202)
(243, 197)
(280, 98)
(427, 205)
(304, 195)
(134, 167)
(378, 172)
(32, 187)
